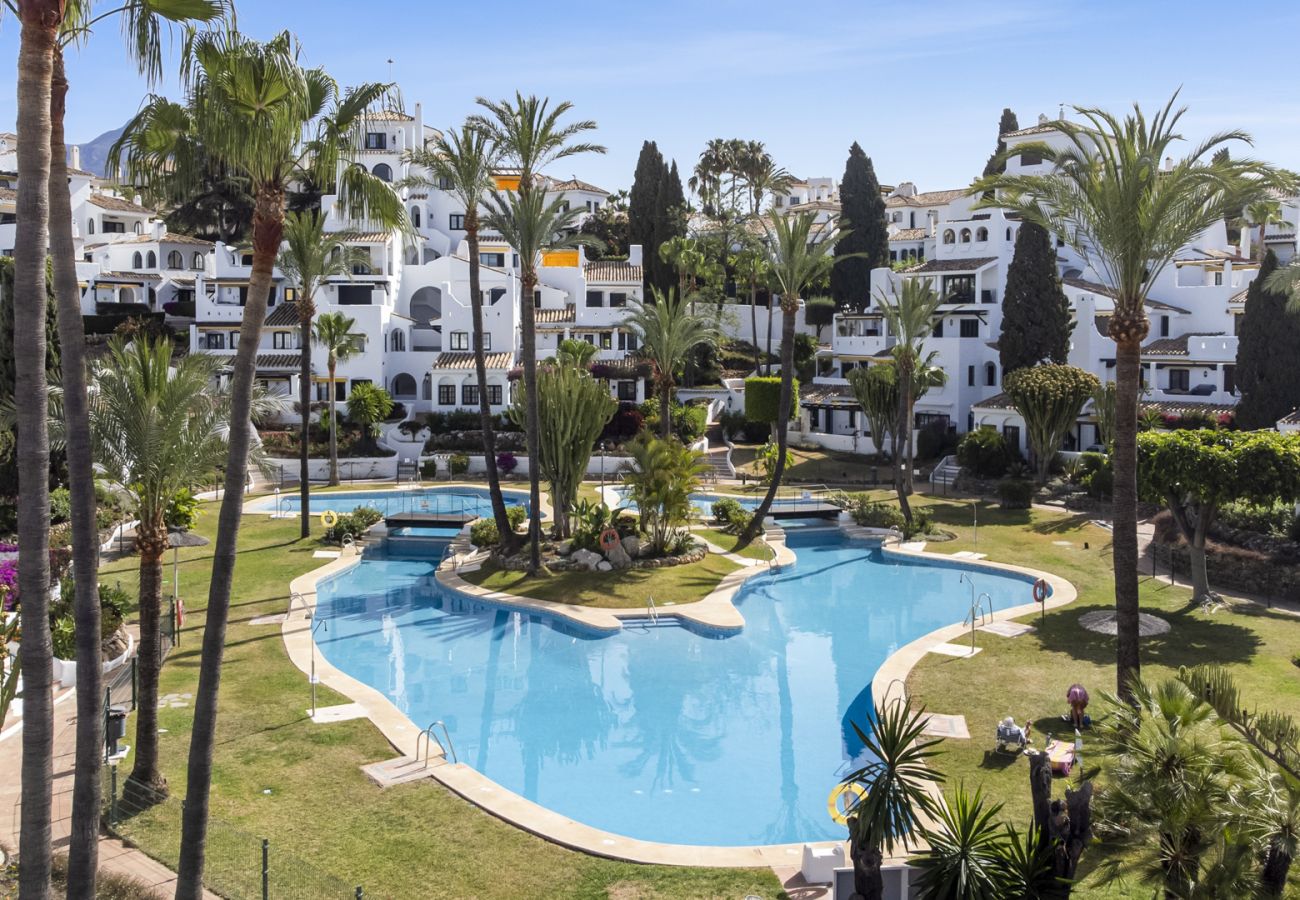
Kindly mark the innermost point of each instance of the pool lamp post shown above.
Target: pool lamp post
(602, 471)
(315, 623)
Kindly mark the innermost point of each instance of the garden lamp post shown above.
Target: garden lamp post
(602, 471)
(314, 625)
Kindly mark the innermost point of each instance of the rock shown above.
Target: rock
(586, 558)
(618, 557)
(564, 548)
(604, 566)
(632, 545)
(645, 551)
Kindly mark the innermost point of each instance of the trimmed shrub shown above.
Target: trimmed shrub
(1015, 493)
(730, 515)
(1096, 475)
(1276, 520)
(723, 508)
(763, 398)
(458, 464)
(353, 523)
(484, 533)
(984, 453)
(873, 514)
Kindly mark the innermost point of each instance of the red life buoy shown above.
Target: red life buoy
(1040, 591)
(609, 539)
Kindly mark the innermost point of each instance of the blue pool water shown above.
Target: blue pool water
(423, 531)
(659, 733)
(446, 500)
(703, 503)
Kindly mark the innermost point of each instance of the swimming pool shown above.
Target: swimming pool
(658, 733)
(436, 500)
(703, 502)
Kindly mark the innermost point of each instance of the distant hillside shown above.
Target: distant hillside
(94, 154)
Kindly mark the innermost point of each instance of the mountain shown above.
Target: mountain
(94, 154)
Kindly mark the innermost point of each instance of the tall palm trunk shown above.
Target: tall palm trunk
(753, 320)
(40, 27)
(767, 359)
(334, 426)
(146, 782)
(1128, 333)
(782, 423)
(480, 368)
(529, 284)
(305, 313)
(83, 846)
(665, 404)
(268, 226)
(902, 440)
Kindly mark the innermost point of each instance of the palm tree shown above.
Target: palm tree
(668, 332)
(895, 784)
(1261, 214)
(967, 854)
(310, 256)
(334, 332)
(750, 264)
(528, 133)
(798, 255)
(252, 108)
(143, 23)
(464, 160)
(154, 431)
(910, 319)
(1127, 215)
(40, 28)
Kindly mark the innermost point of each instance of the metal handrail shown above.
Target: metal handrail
(429, 737)
(652, 611)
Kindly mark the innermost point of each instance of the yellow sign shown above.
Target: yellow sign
(561, 259)
(507, 182)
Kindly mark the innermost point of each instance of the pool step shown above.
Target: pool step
(647, 622)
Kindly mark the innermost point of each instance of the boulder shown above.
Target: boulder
(587, 558)
(632, 545)
(618, 557)
(564, 548)
(604, 566)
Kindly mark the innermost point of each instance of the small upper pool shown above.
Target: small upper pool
(469, 501)
(657, 732)
(703, 502)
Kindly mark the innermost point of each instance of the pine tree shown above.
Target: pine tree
(641, 198)
(1036, 322)
(1268, 345)
(1008, 123)
(862, 213)
(669, 222)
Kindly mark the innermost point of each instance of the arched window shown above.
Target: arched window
(990, 374)
(138, 228)
(198, 262)
(965, 235)
(415, 216)
(1008, 233)
(949, 237)
(426, 305)
(426, 389)
(399, 344)
(151, 261)
(981, 234)
(175, 260)
(137, 261)
(403, 385)
(382, 172)
(90, 226)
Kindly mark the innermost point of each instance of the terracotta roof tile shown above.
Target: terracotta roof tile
(951, 265)
(555, 316)
(117, 204)
(466, 360)
(908, 234)
(927, 198)
(1176, 346)
(613, 271)
(170, 237)
(283, 315)
(997, 401)
(574, 184)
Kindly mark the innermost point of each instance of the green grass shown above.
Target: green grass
(300, 785)
(1027, 677)
(814, 466)
(755, 550)
(626, 589)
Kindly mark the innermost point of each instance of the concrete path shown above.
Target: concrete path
(114, 856)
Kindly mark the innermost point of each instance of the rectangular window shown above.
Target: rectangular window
(970, 376)
(617, 299)
(814, 417)
(937, 331)
(537, 299)
(456, 222)
(1164, 326)
(446, 395)
(1218, 279)
(486, 339)
(283, 340)
(1230, 379)
(492, 259)
(444, 183)
(595, 299)
(990, 374)
(216, 340)
(494, 394)
(1012, 435)
(606, 340)
(1031, 158)
(970, 328)
(959, 289)
(627, 391)
(1179, 379)
(114, 227)
(376, 140)
(460, 340)
(469, 395)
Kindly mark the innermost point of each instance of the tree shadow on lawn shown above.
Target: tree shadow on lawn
(1191, 640)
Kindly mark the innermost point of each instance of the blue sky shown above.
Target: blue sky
(919, 85)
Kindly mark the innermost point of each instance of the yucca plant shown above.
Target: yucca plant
(966, 857)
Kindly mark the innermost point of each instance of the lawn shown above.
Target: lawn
(1027, 677)
(626, 589)
(300, 785)
(816, 466)
(755, 550)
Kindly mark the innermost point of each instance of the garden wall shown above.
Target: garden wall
(1236, 569)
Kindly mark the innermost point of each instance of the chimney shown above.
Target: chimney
(137, 200)
(1169, 163)
(1244, 247)
(1042, 119)
(74, 160)
(634, 255)
(159, 229)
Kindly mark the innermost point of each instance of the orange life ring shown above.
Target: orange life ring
(1040, 591)
(609, 539)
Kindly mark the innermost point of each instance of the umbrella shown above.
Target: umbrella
(176, 540)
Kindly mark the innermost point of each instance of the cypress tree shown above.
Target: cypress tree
(669, 222)
(1268, 345)
(1007, 123)
(641, 198)
(1036, 322)
(862, 211)
(7, 329)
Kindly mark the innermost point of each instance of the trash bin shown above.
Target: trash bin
(115, 728)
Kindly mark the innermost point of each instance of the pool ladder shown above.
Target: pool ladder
(977, 611)
(651, 611)
(429, 736)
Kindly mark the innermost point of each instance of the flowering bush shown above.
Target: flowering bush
(507, 463)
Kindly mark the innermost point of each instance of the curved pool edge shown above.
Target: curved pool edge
(402, 733)
(370, 487)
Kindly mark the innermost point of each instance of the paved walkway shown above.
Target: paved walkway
(114, 856)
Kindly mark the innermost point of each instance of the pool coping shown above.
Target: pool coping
(403, 734)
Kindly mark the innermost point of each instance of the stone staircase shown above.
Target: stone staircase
(946, 472)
